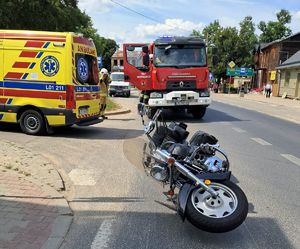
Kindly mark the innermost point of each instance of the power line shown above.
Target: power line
(138, 13)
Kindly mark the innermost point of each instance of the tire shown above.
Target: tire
(198, 112)
(32, 123)
(215, 215)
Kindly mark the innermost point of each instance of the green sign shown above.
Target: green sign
(239, 71)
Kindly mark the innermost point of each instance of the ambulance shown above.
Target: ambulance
(48, 79)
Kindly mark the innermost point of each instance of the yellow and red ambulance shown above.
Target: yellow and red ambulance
(48, 79)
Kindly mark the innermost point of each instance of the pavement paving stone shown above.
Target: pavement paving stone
(29, 214)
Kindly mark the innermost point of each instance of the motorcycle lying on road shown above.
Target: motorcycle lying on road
(197, 172)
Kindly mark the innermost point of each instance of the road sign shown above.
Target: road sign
(241, 72)
(231, 64)
(99, 61)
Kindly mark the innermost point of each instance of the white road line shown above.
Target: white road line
(291, 158)
(239, 130)
(260, 141)
(102, 237)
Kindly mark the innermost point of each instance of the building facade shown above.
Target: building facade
(268, 56)
(117, 61)
(289, 84)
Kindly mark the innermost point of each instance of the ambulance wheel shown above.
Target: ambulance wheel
(32, 122)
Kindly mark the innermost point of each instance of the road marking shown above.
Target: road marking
(82, 177)
(102, 237)
(291, 158)
(260, 141)
(239, 130)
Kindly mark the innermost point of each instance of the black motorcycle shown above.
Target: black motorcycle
(197, 173)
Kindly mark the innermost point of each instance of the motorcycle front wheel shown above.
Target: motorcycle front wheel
(217, 214)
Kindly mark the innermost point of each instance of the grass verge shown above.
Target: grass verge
(111, 105)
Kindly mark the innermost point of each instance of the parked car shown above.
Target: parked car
(118, 87)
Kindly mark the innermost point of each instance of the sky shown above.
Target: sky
(179, 17)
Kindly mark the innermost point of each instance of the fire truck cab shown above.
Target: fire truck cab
(171, 72)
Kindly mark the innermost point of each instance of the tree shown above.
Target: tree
(54, 15)
(272, 31)
(247, 40)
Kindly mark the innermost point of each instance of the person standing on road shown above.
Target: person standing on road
(268, 89)
(103, 83)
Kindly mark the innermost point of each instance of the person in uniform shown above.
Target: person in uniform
(103, 83)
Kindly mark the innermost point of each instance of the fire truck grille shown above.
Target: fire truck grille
(181, 85)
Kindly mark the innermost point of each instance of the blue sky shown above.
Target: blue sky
(179, 17)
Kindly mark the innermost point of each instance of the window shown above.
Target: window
(115, 62)
(287, 78)
(87, 69)
(121, 63)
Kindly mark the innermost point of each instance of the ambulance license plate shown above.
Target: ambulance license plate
(83, 111)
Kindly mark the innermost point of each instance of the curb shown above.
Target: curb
(59, 230)
(118, 112)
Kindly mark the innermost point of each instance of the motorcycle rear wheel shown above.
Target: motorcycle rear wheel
(221, 214)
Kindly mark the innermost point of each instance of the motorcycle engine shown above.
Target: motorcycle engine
(210, 163)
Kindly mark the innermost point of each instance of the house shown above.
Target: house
(268, 56)
(289, 71)
(117, 61)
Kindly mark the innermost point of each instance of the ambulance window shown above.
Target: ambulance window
(87, 69)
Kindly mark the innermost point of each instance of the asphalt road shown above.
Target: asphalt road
(117, 206)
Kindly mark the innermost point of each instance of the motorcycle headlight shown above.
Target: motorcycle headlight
(156, 95)
(204, 93)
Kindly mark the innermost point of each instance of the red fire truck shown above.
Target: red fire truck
(171, 72)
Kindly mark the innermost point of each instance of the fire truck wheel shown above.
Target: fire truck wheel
(198, 112)
(32, 122)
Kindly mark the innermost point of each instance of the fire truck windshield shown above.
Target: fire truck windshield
(179, 56)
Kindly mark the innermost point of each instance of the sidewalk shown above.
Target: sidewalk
(286, 109)
(31, 216)
(32, 213)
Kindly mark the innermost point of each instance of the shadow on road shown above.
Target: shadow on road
(211, 116)
(138, 229)
(109, 199)
(94, 132)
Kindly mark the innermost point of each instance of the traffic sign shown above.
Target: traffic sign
(231, 64)
(99, 61)
(241, 72)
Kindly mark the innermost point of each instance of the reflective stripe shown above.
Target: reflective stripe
(103, 94)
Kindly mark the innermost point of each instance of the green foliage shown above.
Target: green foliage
(53, 15)
(275, 30)
(237, 45)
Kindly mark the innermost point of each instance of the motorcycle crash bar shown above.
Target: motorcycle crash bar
(166, 156)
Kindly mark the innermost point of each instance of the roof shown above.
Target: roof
(265, 45)
(293, 61)
(117, 54)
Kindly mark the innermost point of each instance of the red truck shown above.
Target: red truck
(171, 72)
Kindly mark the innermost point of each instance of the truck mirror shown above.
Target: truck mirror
(146, 60)
(126, 77)
(130, 48)
(145, 49)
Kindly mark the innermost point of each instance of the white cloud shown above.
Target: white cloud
(295, 24)
(169, 27)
